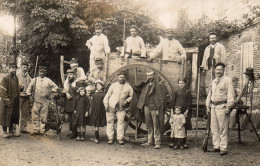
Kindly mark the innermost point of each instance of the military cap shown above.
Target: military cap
(42, 68)
(73, 61)
(212, 33)
(12, 65)
(99, 61)
(122, 73)
(99, 82)
(133, 26)
(98, 26)
(169, 30)
(24, 63)
(220, 64)
(249, 71)
(81, 83)
(70, 71)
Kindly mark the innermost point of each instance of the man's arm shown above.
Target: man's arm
(89, 42)
(181, 51)
(143, 50)
(230, 95)
(208, 100)
(130, 94)
(157, 51)
(30, 87)
(108, 95)
(106, 45)
(3, 92)
(204, 60)
(52, 85)
(223, 54)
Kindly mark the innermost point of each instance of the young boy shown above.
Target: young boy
(98, 46)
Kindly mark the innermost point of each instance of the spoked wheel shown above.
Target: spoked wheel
(137, 75)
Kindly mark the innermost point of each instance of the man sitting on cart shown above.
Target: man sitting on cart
(134, 45)
(98, 72)
(170, 48)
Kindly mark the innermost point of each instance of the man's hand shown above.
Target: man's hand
(149, 59)
(68, 96)
(157, 113)
(7, 103)
(208, 111)
(86, 114)
(106, 108)
(124, 103)
(74, 111)
(227, 111)
(186, 113)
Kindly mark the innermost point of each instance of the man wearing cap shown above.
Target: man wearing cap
(219, 102)
(153, 101)
(170, 48)
(24, 81)
(41, 87)
(213, 53)
(70, 95)
(98, 72)
(118, 97)
(9, 107)
(79, 73)
(134, 45)
(98, 46)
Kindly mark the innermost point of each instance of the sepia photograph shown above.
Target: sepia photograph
(129, 82)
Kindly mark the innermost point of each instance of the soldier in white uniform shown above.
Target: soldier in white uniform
(41, 86)
(134, 45)
(98, 46)
(170, 49)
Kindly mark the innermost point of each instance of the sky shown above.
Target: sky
(6, 24)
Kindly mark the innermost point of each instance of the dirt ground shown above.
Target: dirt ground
(48, 151)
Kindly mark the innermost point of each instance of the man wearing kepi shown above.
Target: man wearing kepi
(41, 87)
(116, 101)
(170, 49)
(98, 46)
(24, 81)
(9, 107)
(219, 102)
(153, 100)
(213, 54)
(134, 45)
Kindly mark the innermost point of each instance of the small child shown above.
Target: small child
(182, 97)
(98, 113)
(177, 122)
(81, 111)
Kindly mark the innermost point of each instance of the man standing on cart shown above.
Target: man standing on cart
(213, 54)
(134, 45)
(170, 48)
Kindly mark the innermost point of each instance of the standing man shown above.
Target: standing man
(24, 81)
(9, 93)
(98, 46)
(70, 95)
(213, 54)
(41, 87)
(170, 49)
(219, 102)
(134, 45)
(153, 100)
(98, 72)
(117, 99)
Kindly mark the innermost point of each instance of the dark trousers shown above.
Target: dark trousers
(73, 127)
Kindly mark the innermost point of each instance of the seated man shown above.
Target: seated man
(98, 72)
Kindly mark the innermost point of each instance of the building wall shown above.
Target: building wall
(233, 47)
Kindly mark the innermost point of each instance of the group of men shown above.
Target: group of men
(15, 89)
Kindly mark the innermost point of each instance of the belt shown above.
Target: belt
(218, 102)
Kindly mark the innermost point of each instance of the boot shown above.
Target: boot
(97, 134)
(184, 143)
(96, 139)
(181, 143)
(171, 145)
(176, 146)
(82, 138)
(78, 137)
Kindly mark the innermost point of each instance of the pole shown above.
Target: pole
(197, 111)
(14, 35)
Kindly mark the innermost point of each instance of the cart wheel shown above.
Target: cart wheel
(133, 71)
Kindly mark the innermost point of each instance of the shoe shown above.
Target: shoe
(181, 147)
(157, 147)
(94, 140)
(214, 150)
(11, 134)
(185, 146)
(146, 144)
(82, 139)
(120, 142)
(175, 147)
(223, 152)
(171, 145)
(17, 134)
(6, 135)
(78, 138)
(110, 142)
(25, 132)
(33, 133)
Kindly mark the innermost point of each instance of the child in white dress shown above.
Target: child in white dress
(177, 122)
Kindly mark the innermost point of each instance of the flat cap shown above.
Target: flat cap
(24, 63)
(42, 68)
(99, 61)
(122, 73)
(70, 71)
(12, 65)
(73, 61)
(169, 30)
(220, 64)
(99, 82)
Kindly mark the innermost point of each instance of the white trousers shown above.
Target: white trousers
(219, 127)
